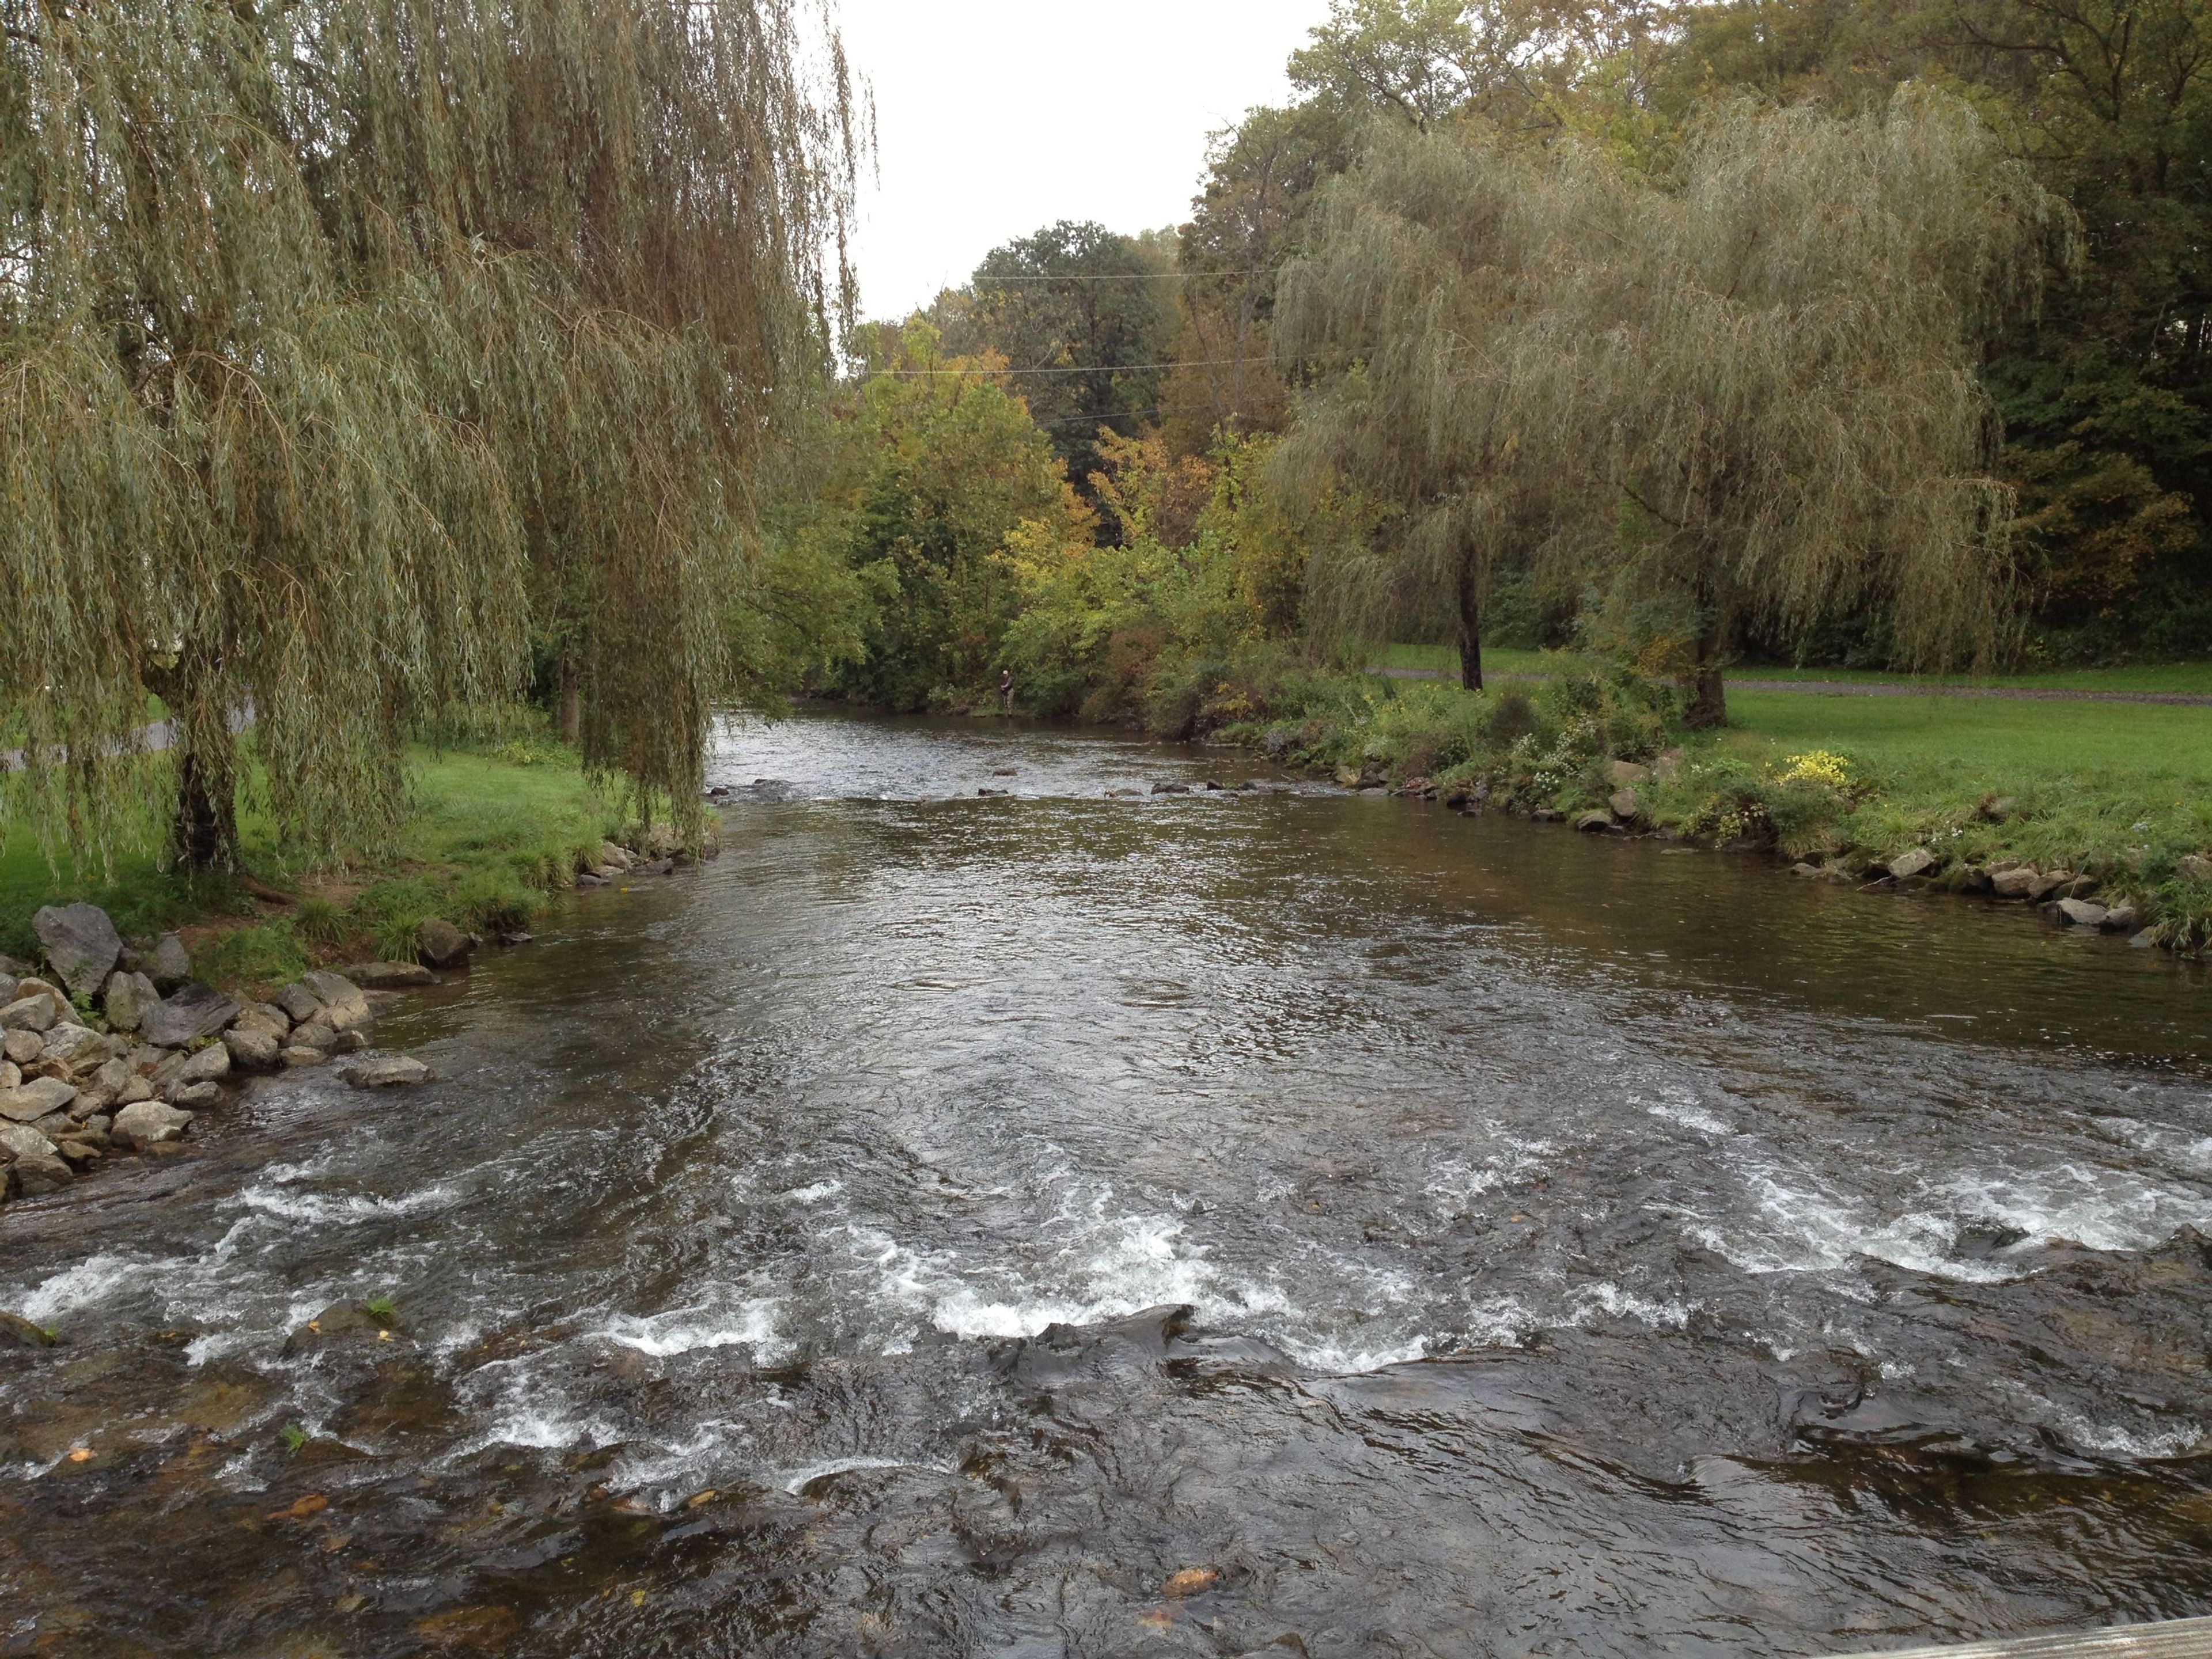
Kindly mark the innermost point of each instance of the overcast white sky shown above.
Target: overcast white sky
(997, 117)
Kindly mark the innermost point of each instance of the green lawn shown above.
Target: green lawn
(1926, 738)
(2191, 678)
(490, 831)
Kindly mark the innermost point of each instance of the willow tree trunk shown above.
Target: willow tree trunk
(1708, 689)
(1470, 626)
(204, 838)
(572, 702)
(203, 818)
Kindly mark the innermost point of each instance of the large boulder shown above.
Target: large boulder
(41, 1098)
(148, 1124)
(127, 1000)
(196, 1012)
(1624, 775)
(22, 1048)
(1624, 805)
(2018, 882)
(441, 944)
(81, 943)
(314, 1035)
(385, 1072)
(172, 967)
(1918, 862)
(2083, 913)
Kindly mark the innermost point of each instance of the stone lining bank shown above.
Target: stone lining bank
(116, 1048)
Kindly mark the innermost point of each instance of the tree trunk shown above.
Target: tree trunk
(1708, 690)
(572, 702)
(1470, 629)
(203, 817)
(204, 836)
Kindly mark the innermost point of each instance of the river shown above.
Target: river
(1261, 1220)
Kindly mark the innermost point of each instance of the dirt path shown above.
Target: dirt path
(1879, 689)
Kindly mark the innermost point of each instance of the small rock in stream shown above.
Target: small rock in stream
(253, 1050)
(441, 944)
(149, 1123)
(17, 1332)
(386, 1072)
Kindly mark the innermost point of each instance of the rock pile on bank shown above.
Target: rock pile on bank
(121, 1050)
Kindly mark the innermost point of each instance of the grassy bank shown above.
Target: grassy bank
(2192, 679)
(2118, 793)
(492, 832)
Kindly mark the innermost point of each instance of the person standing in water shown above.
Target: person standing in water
(1006, 688)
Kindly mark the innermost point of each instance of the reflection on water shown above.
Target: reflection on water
(1587, 1247)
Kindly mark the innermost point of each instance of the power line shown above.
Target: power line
(1130, 276)
(1072, 368)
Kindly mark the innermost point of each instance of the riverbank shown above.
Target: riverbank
(493, 833)
(2106, 806)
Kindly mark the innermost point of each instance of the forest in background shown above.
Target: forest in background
(1141, 472)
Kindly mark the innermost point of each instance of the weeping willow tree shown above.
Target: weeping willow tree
(1780, 371)
(348, 346)
(1746, 392)
(1429, 274)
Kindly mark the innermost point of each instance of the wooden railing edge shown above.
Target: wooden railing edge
(2180, 1639)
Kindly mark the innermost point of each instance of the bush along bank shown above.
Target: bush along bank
(122, 1047)
(1607, 752)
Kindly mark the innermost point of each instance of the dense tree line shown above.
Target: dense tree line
(1859, 332)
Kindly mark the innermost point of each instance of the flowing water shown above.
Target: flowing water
(1261, 1220)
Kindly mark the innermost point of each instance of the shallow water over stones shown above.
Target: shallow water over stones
(1250, 1221)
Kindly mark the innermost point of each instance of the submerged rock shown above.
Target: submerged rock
(81, 943)
(36, 1176)
(196, 1012)
(17, 1332)
(389, 976)
(1596, 823)
(386, 1072)
(295, 1056)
